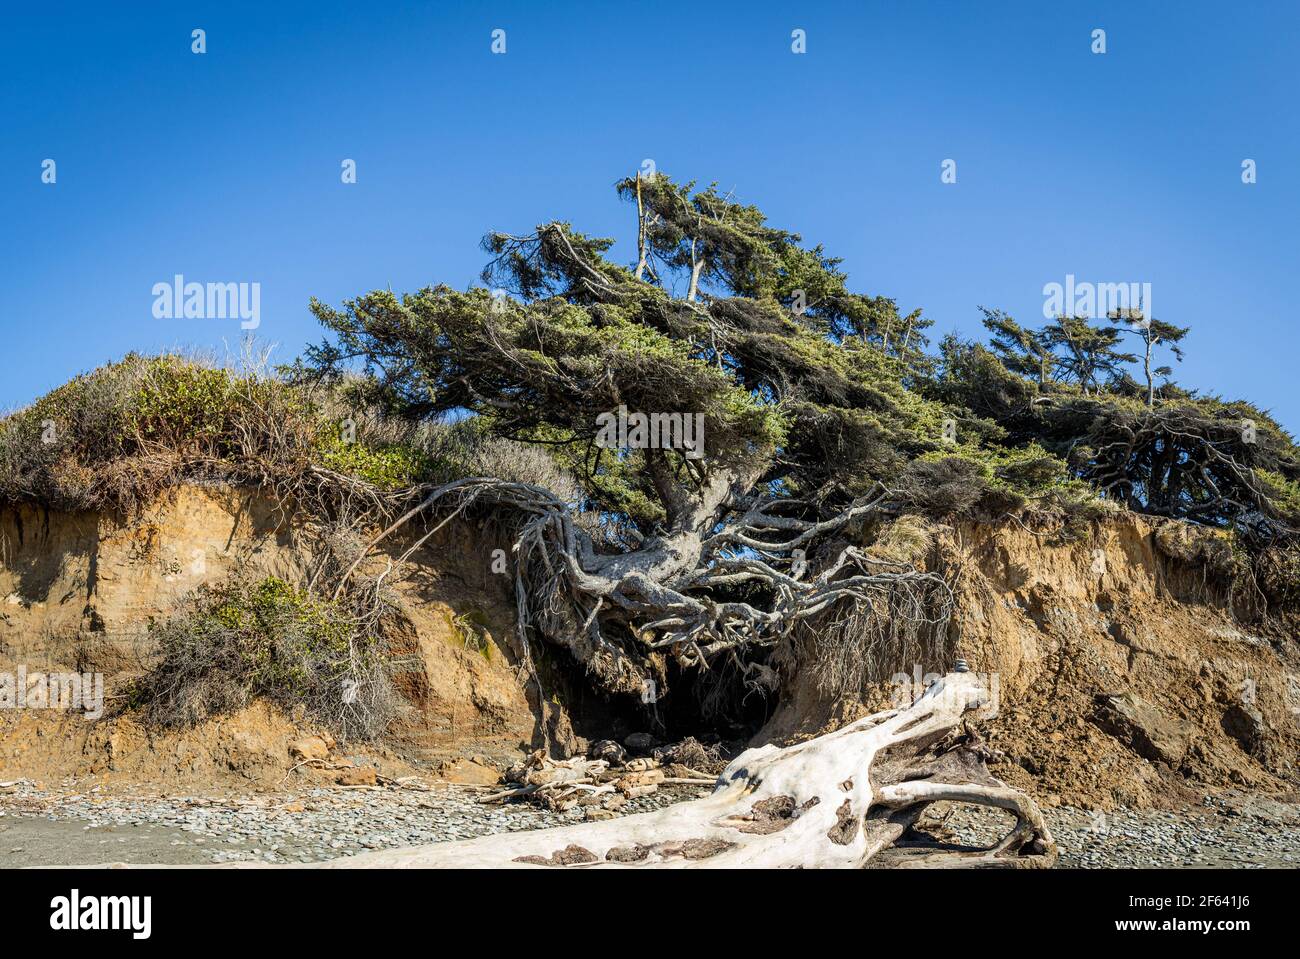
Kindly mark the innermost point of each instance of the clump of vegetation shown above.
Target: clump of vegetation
(118, 436)
(993, 483)
(245, 640)
(1162, 451)
(390, 467)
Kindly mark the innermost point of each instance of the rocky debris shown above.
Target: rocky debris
(311, 747)
(688, 758)
(1143, 728)
(559, 784)
(1231, 831)
(609, 751)
(357, 776)
(1246, 725)
(321, 823)
(475, 771)
(640, 742)
(539, 770)
(592, 783)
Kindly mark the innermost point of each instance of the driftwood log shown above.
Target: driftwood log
(839, 800)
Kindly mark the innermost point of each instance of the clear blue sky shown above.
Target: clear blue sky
(225, 166)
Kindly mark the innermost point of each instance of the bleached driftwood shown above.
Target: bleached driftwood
(834, 801)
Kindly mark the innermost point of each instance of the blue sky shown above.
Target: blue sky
(225, 167)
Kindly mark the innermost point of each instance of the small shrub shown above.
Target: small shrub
(987, 483)
(945, 486)
(231, 644)
(179, 404)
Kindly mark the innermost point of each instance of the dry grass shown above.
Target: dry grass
(118, 437)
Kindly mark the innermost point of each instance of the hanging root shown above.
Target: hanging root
(839, 800)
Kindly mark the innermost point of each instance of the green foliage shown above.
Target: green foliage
(1283, 493)
(286, 641)
(987, 482)
(117, 436)
(176, 403)
(1022, 351)
(1162, 451)
(830, 390)
(389, 467)
(1086, 354)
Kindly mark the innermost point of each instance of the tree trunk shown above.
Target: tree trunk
(1151, 389)
(696, 267)
(640, 230)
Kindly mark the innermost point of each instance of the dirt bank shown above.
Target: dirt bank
(1124, 680)
(77, 592)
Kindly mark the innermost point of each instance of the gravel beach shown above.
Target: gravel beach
(1231, 832)
(43, 828)
(47, 828)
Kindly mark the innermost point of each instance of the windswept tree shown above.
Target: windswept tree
(767, 422)
(1193, 457)
(1154, 333)
(1088, 354)
(725, 552)
(707, 242)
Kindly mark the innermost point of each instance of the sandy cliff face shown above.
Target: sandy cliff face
(78, 590)
(101, 579)
(1122, 677)
(1122, 680)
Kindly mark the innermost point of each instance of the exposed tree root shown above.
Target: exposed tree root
(611, 611)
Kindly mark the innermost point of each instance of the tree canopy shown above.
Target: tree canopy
(822, 408)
